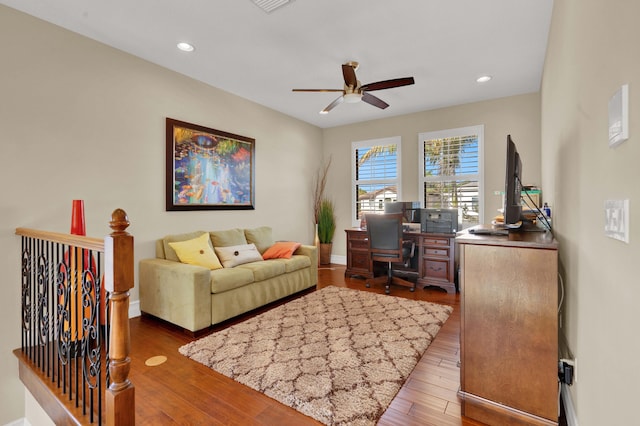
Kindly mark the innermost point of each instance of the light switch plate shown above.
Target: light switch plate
(619, 116)
(616, 220)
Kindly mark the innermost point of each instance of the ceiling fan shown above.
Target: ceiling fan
(354, 92)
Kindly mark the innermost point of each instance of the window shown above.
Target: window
(375, 169)
(451, 172)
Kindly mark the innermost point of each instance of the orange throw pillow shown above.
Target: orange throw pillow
(281, 250)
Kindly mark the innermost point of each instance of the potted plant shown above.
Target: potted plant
(326, 229)
(319, 183)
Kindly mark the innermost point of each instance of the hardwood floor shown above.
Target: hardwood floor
(182, 391)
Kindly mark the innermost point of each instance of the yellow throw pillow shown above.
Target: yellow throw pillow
(197, 251)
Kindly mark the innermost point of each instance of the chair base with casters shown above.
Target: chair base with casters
(388, 280)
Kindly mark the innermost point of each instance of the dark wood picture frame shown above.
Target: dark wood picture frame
(208, 169)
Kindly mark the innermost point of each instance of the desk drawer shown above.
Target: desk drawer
(436, 269)
(359, 244)
(436, 252)
(359, 261)
(433, 241)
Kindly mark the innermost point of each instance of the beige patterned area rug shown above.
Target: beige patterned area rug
(337, 355)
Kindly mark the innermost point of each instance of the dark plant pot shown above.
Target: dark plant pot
(325, 253)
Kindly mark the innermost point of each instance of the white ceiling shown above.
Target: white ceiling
(444, 44)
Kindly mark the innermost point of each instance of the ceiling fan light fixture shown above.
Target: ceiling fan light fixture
(352, 98)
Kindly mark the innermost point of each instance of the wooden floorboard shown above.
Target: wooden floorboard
(182, 391)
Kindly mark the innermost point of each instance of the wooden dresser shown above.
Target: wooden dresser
(433, 263)
(509, 328)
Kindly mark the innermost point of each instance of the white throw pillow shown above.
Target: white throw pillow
(231, 256)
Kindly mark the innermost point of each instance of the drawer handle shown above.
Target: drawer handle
(435, 269)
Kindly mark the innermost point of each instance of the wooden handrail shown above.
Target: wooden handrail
(79, 241)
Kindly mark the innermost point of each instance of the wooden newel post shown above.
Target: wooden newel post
(118, 251)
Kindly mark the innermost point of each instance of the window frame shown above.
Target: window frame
(477, 130)
(355, 145)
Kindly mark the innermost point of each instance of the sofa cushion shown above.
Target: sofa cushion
(296, 262)
(229, 237)
(197, 251)
(265, 269)
(229, 278)
(237, 255)
(170, 253)
(262, 237)
(281, 250)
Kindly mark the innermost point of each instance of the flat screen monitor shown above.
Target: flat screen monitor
(513, 185)
(410, 210)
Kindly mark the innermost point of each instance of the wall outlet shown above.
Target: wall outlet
(574, 364)
(616, 219)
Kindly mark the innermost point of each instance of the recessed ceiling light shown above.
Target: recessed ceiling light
(483, 79)
(186, 47)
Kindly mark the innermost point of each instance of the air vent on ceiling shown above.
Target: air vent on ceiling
(270, 5)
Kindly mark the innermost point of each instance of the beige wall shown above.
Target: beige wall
(82, 120)
(593, 50)
(516, 115)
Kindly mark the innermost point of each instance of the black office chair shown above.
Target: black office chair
(386, 245)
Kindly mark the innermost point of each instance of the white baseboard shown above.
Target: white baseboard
(569, 409)
(338, 260)
(134, 309)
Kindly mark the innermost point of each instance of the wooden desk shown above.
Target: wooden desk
(434, 259)
(509, 328)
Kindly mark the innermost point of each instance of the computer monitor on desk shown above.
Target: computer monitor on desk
(433, 221)
(410, 210)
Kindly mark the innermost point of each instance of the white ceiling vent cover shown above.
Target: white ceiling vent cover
(270, 5)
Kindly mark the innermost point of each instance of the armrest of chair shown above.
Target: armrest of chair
(410, 254)
(176, 292)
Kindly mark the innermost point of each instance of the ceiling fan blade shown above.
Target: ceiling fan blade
(388, 84)
(349, 74)
(332, 105)
(317, 90)
(377, 102)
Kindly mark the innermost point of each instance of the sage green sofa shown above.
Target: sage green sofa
(196, 297)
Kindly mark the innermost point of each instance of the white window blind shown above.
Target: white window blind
(375, 171)
(450, 164)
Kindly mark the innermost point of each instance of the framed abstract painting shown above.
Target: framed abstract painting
(208, 169)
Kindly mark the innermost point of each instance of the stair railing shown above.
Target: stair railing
(74, 356)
